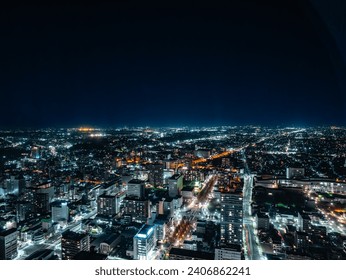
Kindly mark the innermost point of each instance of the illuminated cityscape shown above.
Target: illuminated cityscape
(227, 192)
(173, 130)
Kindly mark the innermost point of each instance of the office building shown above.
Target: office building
(108, 205)
(8, 244)
(60, 211)
(72, 243)
(231, 221)
(42, 196)
(168, 205)
(155, 174)
(23, 210)
(175, 185)
(144, 243)
(228, 252)
(136, 189)
(138, 209)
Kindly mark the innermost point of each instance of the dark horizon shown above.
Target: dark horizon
(159, 64)
(173, 126)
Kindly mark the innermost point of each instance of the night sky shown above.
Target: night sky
(130, 63)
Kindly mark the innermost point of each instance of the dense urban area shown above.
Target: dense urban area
(218, 193)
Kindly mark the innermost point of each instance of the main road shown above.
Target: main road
(251, 248)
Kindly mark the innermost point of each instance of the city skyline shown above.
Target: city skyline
(158, 130)
(208, 193)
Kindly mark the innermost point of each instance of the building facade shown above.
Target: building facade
(8, 244)
(138, 209)
(231, 222)
(60, 211)
(136, 189)
(144, 243)
(228, 252)
(72, 243)
(108, 205)
(155, 174)
(175, 185)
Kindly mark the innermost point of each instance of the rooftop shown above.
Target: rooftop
(175, 177)
(73, 235)
(145, 231)
(8, 232)
(231, 247)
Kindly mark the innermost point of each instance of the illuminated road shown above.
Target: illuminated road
(220, 155)
(185, 219)
(251, 249)
(203, 195)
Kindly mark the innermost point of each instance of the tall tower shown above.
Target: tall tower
(43, 195)
(231, 217)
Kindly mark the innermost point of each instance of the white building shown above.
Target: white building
(144, 243)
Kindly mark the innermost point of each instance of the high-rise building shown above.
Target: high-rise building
(175, 185)
(8, 244)
(23, 210)
(108, 205)
(72, 243)
(155, 174)
(231, 222)
(60, 211)
(144, 243)
(43, 195)
(136, 189)
(138, 209)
